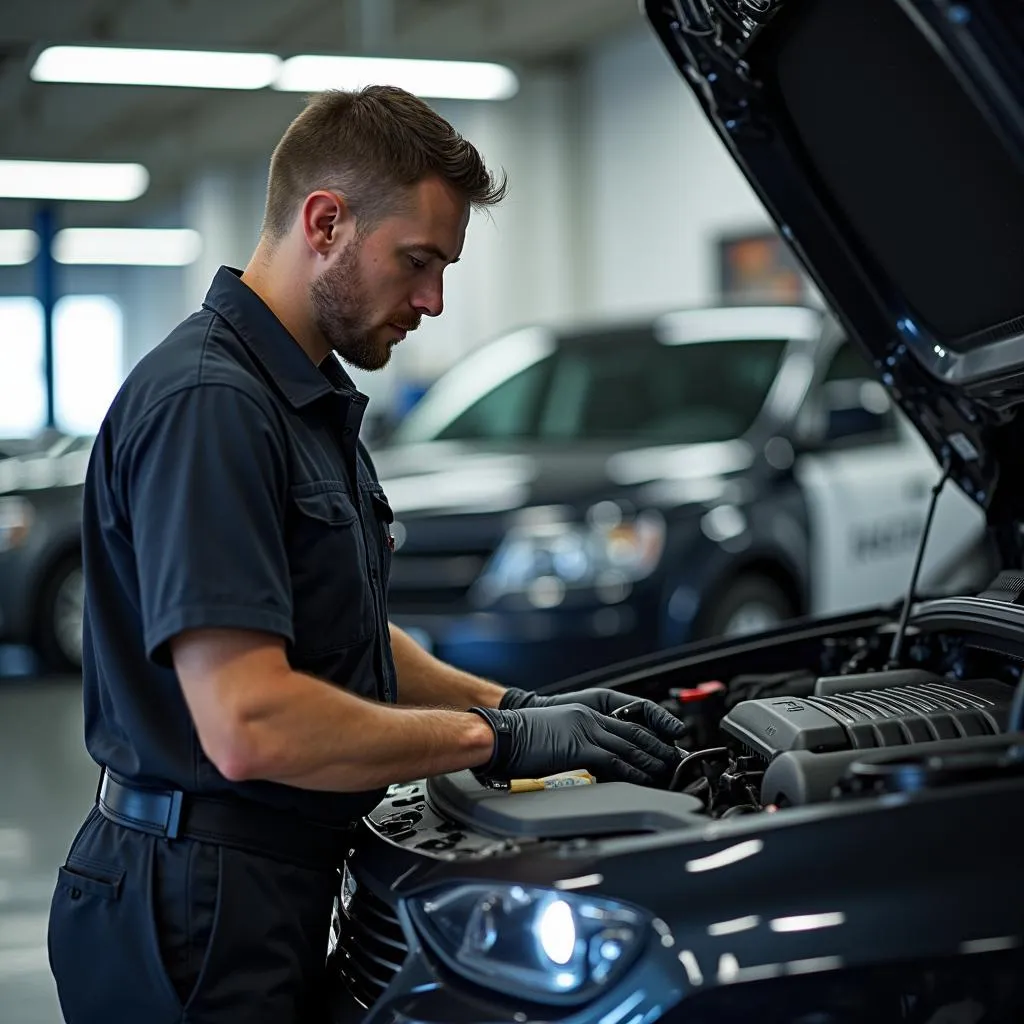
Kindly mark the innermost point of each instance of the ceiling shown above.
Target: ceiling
(172, 131)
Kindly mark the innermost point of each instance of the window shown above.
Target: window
(615, 383)
(88, 363)
(849, 363)
(22, 379)
(499, 377)
(628, 387)
(505, 413)
(88, 345)
(855, 404)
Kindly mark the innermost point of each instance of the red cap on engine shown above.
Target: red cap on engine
(686, 695)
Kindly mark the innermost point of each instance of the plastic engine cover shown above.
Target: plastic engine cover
(608, 808)
(878, 717)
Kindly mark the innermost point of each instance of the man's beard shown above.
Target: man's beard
(342, 312)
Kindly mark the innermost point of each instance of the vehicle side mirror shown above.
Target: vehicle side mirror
(843, 409)
(855, 408)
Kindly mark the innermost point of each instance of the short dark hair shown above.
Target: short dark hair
(371, 145)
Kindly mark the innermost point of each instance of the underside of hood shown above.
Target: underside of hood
(886, 139)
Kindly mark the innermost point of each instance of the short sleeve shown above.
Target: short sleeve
(202, 481)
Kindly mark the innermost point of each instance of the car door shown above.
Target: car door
(867, 476)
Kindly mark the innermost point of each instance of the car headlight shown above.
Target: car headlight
(607, 553)
(559, 947)
(16, 519)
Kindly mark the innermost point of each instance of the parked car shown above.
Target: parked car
(41, 587)
(566, 498)
(838, 843)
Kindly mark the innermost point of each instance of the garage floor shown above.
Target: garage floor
(46, 788)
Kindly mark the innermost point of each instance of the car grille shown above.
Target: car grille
(370, 948)
(426, 582)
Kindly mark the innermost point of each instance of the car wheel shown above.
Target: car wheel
(749, 604)
(60, 617)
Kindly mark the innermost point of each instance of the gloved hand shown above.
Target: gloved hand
(533, 742)
(661, 722)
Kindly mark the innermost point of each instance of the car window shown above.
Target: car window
(508, 412)
(849, 363)
(448, 409)
(856, 407)
(640, 390)
(614, 383)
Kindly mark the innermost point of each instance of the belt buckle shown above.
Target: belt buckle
(174, 814)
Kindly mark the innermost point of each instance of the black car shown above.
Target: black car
(41, 586)
(570, 497)
(840, 841)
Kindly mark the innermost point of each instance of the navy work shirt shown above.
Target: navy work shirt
(227, 489)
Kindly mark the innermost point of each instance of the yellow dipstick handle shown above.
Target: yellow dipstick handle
(563, 780)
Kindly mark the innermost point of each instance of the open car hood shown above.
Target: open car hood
(886, 139)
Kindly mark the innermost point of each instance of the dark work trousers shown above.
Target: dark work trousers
(153, 931)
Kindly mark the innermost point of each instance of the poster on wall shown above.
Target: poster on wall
(759, 267)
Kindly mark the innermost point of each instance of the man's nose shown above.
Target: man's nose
(429, 299)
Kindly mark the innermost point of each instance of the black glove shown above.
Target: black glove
(533, 742)
(661, 722)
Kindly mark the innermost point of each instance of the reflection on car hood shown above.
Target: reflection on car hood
(445, 477)
(886, 139)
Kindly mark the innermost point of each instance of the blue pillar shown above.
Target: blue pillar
(46, 293)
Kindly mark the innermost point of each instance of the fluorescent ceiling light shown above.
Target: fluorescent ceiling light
(51, 179)
(438, 79)
(151, 247)
(206, 69)
(17, 247)
(115, 65)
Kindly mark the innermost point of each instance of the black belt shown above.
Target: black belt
(240, 824)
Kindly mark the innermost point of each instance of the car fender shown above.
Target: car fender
(773, 543)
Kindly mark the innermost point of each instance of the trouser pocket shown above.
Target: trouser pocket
(101, 940)
(146, 931)
(266, 960)
(186, 902)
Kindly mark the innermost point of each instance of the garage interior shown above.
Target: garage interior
(623, 208)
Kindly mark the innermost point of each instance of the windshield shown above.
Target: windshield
(620, 384)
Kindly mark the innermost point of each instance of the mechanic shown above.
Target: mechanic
(245, 696)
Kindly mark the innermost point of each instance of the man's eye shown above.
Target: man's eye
(418, 264)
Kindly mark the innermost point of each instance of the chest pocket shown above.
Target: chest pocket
(331, 596)
(378, 522)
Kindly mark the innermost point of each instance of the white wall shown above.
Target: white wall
(225, 205)
(660, 184)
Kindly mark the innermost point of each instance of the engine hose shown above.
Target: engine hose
(732, 812)
(697, 756)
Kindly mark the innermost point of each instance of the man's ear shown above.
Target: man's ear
(327, 222)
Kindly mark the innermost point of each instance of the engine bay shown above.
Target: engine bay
(848, 724)
(830, 719)
(830, 737)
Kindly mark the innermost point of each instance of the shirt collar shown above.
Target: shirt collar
(298, 378)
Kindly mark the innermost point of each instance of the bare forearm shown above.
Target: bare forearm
(426, 682)
(316, 736)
